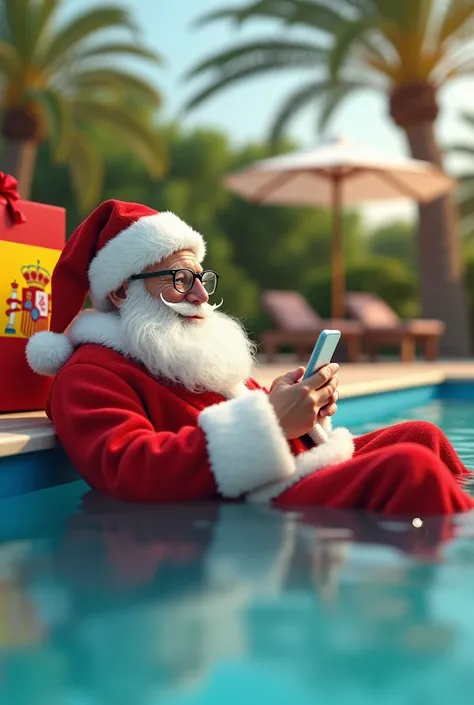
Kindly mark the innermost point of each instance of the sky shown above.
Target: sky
(245, 110)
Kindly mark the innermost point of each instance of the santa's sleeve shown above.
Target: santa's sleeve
(237, 446)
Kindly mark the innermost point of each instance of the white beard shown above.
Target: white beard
(214, 354)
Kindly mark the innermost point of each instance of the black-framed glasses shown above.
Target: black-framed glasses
(183, 279)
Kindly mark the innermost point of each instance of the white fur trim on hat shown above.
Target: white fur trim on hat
(144, 243)
(99, 328)
(47, 352)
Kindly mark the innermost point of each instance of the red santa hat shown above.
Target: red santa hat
(115, 241)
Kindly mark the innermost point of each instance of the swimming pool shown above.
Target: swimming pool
(454, 416)
(108, 604)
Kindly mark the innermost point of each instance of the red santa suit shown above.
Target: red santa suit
(138, 438)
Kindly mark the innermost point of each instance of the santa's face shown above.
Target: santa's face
(175, 289)
(181, 337)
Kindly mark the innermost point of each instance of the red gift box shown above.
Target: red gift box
(32, 236)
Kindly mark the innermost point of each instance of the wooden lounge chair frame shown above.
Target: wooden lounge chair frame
(382, 327)
(300, 331)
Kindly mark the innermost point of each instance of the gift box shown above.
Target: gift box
(32, 236)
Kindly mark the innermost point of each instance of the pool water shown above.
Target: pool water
(454, 416)
(109, 604)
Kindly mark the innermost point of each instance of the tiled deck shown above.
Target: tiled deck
(364, 378)
(24, 433)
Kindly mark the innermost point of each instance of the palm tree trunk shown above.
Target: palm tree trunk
(439, 253)
(19, 160)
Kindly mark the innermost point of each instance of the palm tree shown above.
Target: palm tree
(466, 179)
(409, 50)
(59, 79)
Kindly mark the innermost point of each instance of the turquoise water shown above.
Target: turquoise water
(109, 604)
(454, 416)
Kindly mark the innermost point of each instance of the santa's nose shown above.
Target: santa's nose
(198, 294)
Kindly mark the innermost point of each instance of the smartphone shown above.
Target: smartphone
(322, 351)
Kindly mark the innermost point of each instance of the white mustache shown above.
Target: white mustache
(184, 308)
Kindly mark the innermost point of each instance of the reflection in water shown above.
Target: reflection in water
(126, 605)
(20, 624)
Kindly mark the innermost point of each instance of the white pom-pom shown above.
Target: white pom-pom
(47, 352)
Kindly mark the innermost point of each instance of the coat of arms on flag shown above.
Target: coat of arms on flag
(29, 304)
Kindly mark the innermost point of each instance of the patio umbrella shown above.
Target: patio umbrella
(337, 174)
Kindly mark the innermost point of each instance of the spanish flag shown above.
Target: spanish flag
(29, 252)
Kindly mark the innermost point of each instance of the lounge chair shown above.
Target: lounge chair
(382, 326)
(298, 326)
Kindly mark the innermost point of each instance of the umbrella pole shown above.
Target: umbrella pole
(337, 282)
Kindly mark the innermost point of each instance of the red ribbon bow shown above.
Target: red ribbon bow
(8, 190)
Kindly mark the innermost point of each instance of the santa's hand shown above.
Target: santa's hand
(297, 406)
(330, 408)
(298, 373)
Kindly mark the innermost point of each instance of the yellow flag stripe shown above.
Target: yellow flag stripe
(20, 308)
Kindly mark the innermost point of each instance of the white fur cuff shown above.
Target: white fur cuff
(246, 444)
(337, 449)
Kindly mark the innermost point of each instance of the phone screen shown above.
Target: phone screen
(323, 351)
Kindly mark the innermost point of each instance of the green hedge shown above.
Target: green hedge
(387, 277)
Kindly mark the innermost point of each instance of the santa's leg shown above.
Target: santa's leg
(420, 432)
(401, 480)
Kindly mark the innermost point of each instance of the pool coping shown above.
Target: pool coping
(22, 433)
(25, 433)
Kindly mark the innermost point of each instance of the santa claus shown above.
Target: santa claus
(153, 398)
